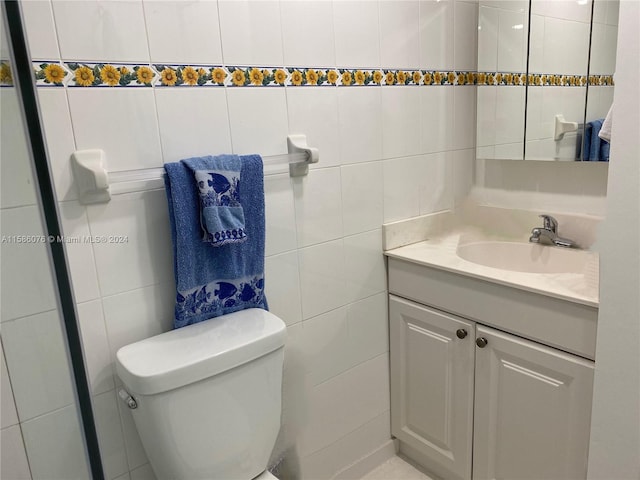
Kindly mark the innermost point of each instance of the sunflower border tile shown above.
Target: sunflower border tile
(110, 75)
(190, 75)
(312, 77)
(50, 74)
(254, 76)
(105, 74)
(6, 75)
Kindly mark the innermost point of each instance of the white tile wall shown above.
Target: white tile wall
(314, 112)
(329, 461)
(603, 41)
(318, 201)
(599, 102)
(488, 25)
(465, 35)
(122, 122)
(436, 119)
(386, 153)
(13, 462)
(400, 33)
(258, 119)
(195, 23)
(401, 188)
(16, 183)
(364, 265)
(41, 30)
(144, 472)
(362, 197)
(193, 122)
(138, 314)
(282, 286)
(8, 411)
(136, 456)
(82, 263)
(280, 214)
(4, 44)
(368, 328)
(436, 33)
(257, 22)
(322, 278)
(400, 121)
(512, 41)
(360, 126)
(463, 173)
(102, 30)
(26, 282)
(486, 116)
(54, 445)
(325, 343)
(357, 33)
(345, 402)
(145, 258)
(114, 458)
(435, 191)
(307, 33)
(58, 130)
(565, 46)
(36, 357)
(510, 103)
(464, 117)
(96, 347)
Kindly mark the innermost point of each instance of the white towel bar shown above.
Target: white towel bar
(96, 185)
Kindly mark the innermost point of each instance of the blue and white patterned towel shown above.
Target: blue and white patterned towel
(221, 215)
(215, 281)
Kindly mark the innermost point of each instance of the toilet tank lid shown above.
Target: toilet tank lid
(189, 354)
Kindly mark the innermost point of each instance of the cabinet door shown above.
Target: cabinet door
(532, 410)
(432, 386)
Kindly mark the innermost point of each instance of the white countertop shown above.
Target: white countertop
(440, 253)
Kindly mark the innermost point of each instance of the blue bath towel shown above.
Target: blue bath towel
(221, 214)
(213, 281)
(594, 149)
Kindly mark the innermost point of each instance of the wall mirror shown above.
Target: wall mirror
(545, 81)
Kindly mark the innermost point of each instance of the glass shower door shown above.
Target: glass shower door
(43, 431)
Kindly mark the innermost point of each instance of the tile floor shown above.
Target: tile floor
(395, 469)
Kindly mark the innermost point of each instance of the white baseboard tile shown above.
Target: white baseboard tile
(336, 460)
(369, 462)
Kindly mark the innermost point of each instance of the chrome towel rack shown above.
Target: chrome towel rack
(96, 185)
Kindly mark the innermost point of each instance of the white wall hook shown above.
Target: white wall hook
(298, 144)
(91, 177)
(562, 127)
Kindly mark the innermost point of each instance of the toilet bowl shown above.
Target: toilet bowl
(206, 398)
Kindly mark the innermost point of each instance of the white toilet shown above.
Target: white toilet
(206, 398)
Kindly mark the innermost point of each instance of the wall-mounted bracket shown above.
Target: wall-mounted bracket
(298, 144)
(562, 127)
(91, 177)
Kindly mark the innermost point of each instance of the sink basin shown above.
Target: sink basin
(524, 257)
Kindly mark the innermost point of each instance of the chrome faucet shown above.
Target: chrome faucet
(549, 231)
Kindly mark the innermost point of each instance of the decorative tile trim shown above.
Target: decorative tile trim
(110, 75)
(77, 74)
(6, 76)
(542, 79)
(50, 74)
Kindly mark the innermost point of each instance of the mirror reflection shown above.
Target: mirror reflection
(546, 78)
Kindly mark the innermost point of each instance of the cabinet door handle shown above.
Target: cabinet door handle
(461, 333)
(481, 342)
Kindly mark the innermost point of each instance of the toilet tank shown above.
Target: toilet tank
(208, 395)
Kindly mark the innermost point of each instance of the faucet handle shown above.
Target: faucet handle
(550, 223)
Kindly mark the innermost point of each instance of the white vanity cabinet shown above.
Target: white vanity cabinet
(469, 401)
(532, 410)
(432, 358)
